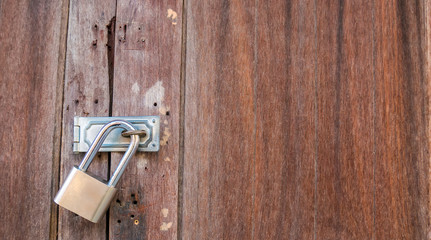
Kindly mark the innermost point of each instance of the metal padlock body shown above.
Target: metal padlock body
(86, 195)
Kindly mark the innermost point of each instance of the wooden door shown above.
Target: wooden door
(279, 119)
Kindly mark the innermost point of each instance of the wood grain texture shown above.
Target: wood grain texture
(86, 93)
(427, 54)
(31, 77)
(301, 119)
(219, 120)
(402, 121)
(285, 121)
(147, 82)
(345, 120)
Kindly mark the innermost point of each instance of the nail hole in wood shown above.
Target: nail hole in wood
(135, 202)
(96, 101)
(167, 113)
(155, 104)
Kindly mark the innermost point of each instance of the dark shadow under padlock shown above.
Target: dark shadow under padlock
(88, 196)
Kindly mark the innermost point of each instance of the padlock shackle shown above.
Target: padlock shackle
(98, 141)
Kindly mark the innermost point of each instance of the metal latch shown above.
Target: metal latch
(86, 129)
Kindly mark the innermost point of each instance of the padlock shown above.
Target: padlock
(86, 195)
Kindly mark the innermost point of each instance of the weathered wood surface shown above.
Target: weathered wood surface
(300, 119)
(86, 93)
(402, 121)
(147, 82)
(219, 136)
(360, 121)
(285, 121)
(345, 132)
(31, 63)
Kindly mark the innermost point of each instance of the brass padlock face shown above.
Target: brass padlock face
(85, 195)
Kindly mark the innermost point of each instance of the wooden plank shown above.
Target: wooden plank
(345, 120)
(32, 67)
(285, 120)
(427, 51)
(147, 82)
(219, 120)
(86, 93)
(402, 121)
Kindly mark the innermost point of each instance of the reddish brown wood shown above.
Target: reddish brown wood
(299, 119)
(147, 82)
(427, 70)
(86, 93)
(402, 121)
(285, 121)
(345, 120)
(31, 64)
(219, 120)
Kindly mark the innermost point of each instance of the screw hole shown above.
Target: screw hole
(95, 26)
(132, 216)
(146, 168)
(118, 201)
(135, 202)
(76, 101)
(155, 104)
(167, 113)
(96, 101)
(132, 195)
(118, 221)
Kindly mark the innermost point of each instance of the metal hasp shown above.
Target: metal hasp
(89, 196)
(86, 129)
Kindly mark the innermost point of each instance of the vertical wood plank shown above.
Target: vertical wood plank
(32, 67)
(147, 82)
(402, 121)
(285, 120)
(427, 51)
(345, 120)
(219, 120)
(86, 93)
